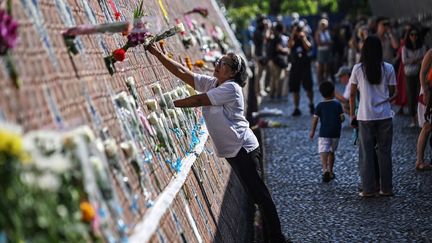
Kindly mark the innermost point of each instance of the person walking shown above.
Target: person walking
(412, 56)
(323, 41)
(223, 108)
(424, 110)
(330, 114)
(375, 80)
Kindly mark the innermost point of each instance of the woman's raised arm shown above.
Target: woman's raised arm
(174, 67)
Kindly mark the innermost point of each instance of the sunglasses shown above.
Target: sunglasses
(222, 62)
(413, 34)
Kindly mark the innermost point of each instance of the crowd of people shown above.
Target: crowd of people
(383, 65)
(367, 56)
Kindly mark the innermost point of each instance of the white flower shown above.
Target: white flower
(87, 133)
(97, 163)
(10, 127)
(130, 81)
(28, 178)
(179, 28)
(45, 148)
(49, 182)
(110, 148)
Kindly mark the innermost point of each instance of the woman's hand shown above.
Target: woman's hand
(152, 49)
(354, 122)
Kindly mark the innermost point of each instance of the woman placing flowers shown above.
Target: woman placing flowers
(223, 108)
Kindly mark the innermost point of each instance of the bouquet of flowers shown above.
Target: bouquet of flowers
(140, 35)
(8, 39)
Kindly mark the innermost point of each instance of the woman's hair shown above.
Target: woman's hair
(419, 41)
(372, 58)
(239, 68)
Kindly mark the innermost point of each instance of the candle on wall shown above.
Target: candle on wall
(151, 104)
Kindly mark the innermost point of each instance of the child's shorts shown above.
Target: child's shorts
(326, 145)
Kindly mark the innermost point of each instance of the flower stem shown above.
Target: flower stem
(13, 74)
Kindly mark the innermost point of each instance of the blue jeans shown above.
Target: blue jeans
(377, 133)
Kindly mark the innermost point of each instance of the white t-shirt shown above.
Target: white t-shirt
(347, 91)
(225, 121)
(374, 104)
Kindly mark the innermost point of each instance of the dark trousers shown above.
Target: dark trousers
(247, 168)
(376, 138)
(413, 90)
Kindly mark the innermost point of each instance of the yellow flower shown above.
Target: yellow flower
(87, 211)
(11, 143)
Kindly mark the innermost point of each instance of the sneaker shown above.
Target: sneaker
(296, 112)
(311, 108)
(326, 177)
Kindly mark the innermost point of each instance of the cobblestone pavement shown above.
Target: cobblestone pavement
(313, 211)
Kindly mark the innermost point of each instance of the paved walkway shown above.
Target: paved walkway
(313, 211)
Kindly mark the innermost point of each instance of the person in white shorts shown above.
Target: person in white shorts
(330, 113)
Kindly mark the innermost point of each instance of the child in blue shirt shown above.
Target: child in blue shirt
(329, 112)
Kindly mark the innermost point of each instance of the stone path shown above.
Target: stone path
(313, 211)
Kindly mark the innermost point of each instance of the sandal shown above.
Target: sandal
(386, 194)
(367, 194)
(423, 167)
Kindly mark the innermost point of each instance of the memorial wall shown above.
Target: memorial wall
(92, 148)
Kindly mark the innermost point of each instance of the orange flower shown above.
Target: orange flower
(199, 63)
(188, 63)
(87, 211)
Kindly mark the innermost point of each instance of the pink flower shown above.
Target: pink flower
(8, 32)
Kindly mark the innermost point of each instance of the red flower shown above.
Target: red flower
(119, 54)
(117, 15)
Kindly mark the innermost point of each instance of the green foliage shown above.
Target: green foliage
(138, 12)
(241, 16)
(241, 12)
(309, 7)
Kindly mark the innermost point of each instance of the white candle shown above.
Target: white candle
(151, 104)
(191, 90)
(153, 119)
(157, 90)
(169, 101)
